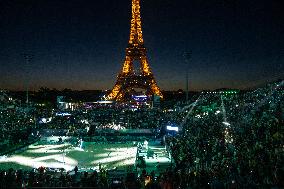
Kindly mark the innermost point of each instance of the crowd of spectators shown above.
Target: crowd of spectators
(15, 129)
(232, 141)
(99, 118)
(101, 179)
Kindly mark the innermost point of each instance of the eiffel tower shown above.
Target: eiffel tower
(128, 78)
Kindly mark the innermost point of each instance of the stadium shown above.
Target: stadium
(77, 113)
(224, 137)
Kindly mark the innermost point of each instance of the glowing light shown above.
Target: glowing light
(217, 112)
(170, 128)
(145, 67)
(114, 93)
(228, 136)
(136, 47)
(198, 116)
(226, 123)
(104, 102)
(48, 148)
(62, 114)
(118, 156)
(54, 156)
(127, 66)
(85, 121)
(52, 161)
(136, 28)
(193, 105)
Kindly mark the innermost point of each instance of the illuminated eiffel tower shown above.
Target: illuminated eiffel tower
(128, 79)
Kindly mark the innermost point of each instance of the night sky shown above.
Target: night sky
(80, 44)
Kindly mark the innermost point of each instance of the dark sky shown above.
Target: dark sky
(80, 44)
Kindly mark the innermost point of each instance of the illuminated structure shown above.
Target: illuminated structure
(128, 78)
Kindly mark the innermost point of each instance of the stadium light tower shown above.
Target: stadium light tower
(187, 56)
(27, 58)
